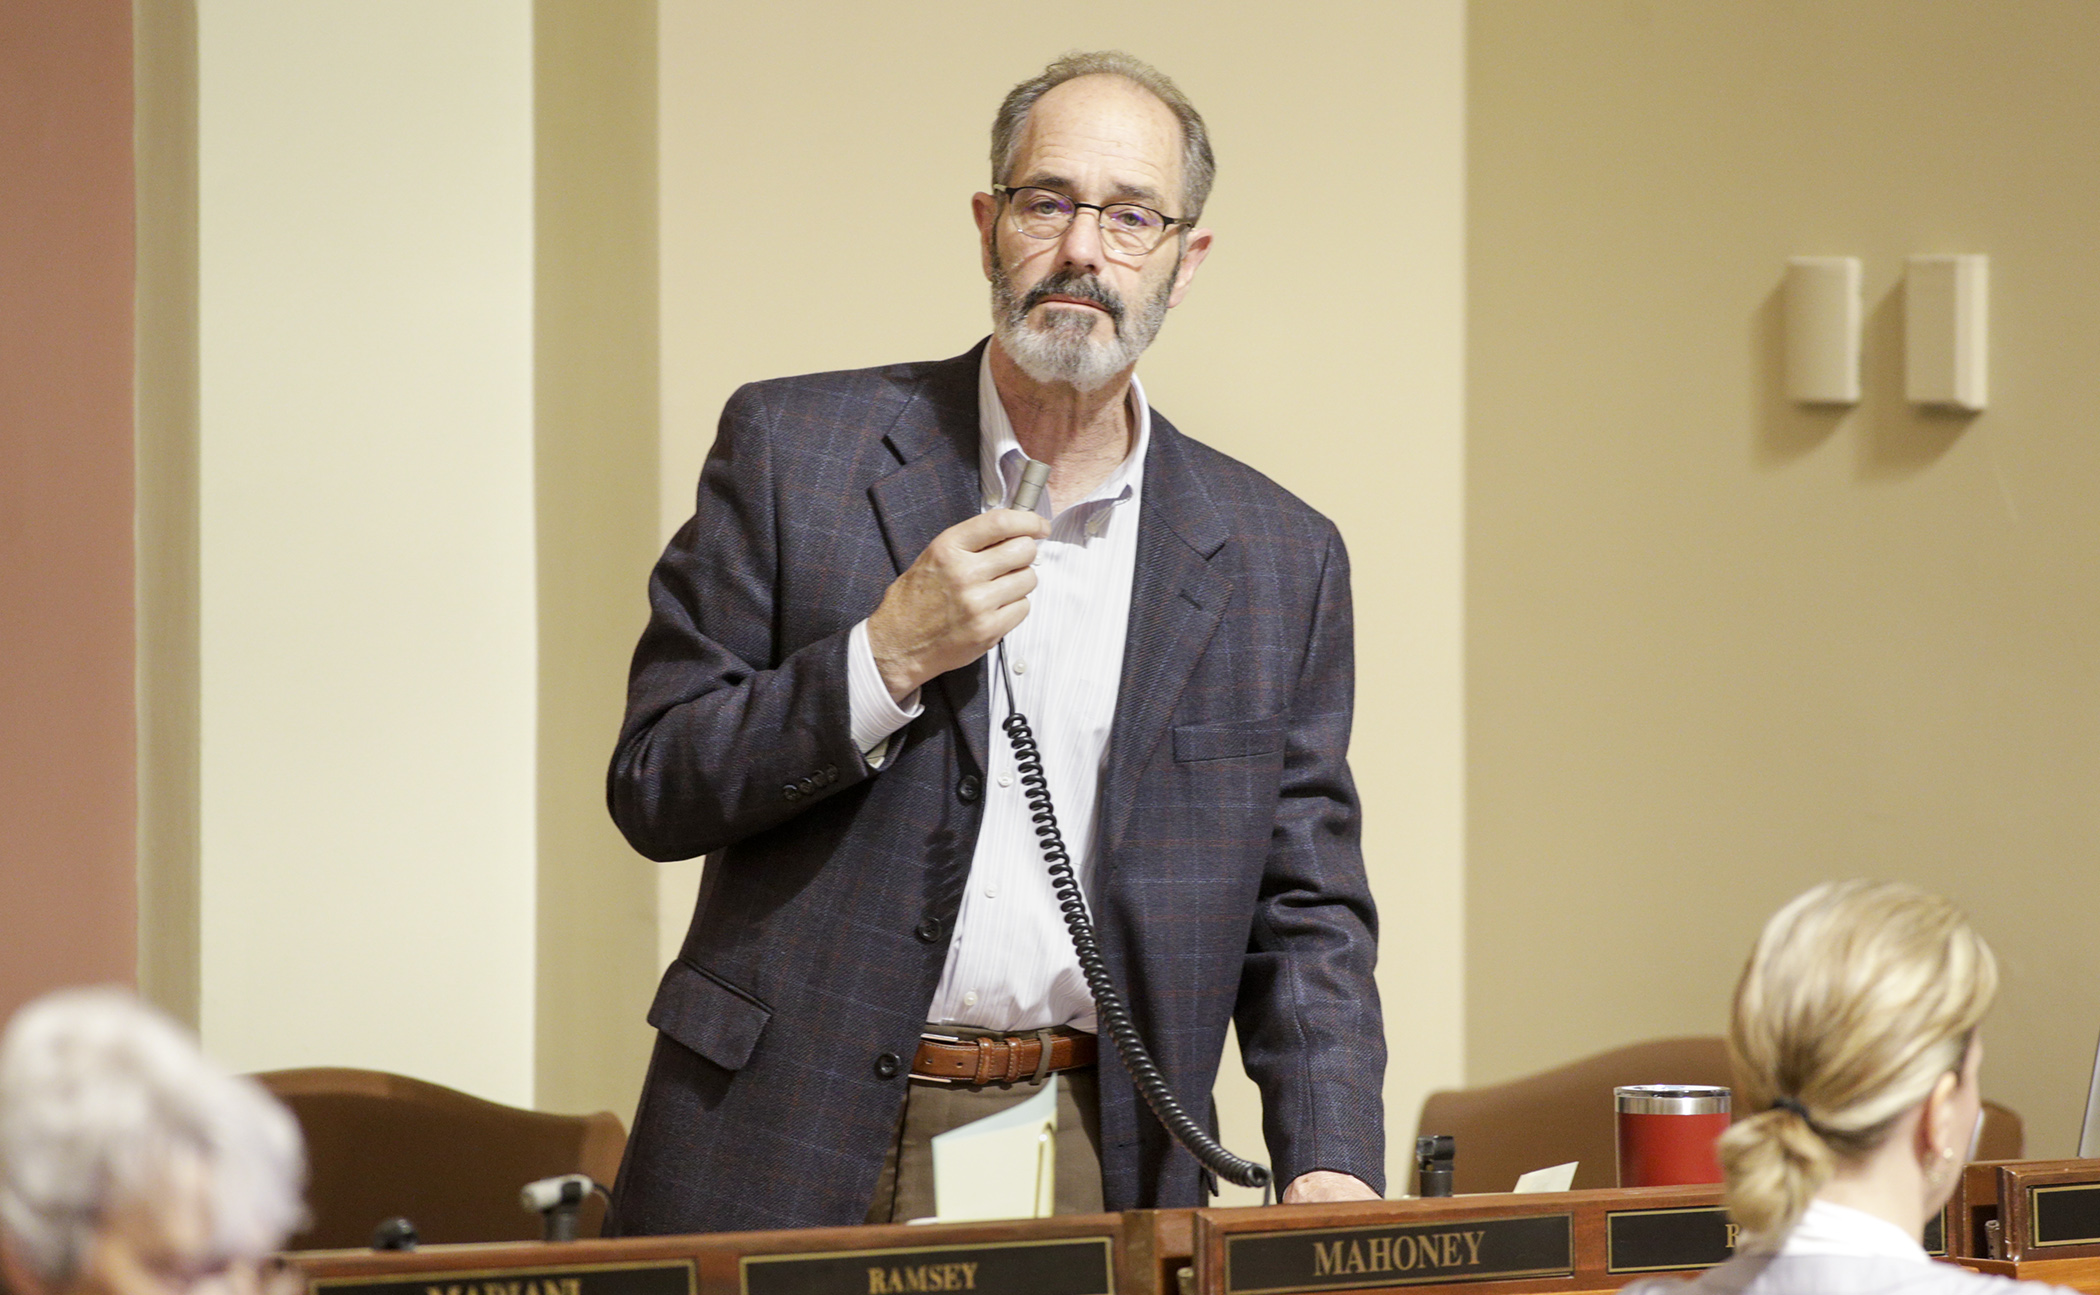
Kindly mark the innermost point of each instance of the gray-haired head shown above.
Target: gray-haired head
(1198, 167)
(104, 1104)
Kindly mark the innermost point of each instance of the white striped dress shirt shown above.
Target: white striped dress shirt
(1010, 963)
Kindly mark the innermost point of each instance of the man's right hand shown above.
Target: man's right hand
(965, 592)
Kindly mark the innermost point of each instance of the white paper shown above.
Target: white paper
(1003, 1166)
(1555, 1178)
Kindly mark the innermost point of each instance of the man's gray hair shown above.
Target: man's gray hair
(101, 1100)
(1198, 167)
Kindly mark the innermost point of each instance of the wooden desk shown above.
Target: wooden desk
(1471, 1245)
(2034, 1220)
(1074, 1255)
(1568, 1243)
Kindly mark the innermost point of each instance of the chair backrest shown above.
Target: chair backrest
(1503, 1130)
(381, 1145)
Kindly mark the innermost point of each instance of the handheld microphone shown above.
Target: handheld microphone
(1033, 478)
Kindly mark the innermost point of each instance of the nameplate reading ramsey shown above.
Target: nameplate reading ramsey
(2065, 1216)
(666, 1277)
(1067, 1266)
(1648, 1241)
(1468, 1250)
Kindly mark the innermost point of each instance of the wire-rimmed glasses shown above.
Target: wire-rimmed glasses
(1126, 227)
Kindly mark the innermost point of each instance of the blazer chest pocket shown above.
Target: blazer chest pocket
(1236, 740)
(708, 1015)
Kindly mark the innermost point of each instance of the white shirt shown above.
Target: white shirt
(1010, 962)
(1830, 1229)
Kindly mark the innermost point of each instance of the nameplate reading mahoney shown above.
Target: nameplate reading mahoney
(1067, 1266)
(1651, 1241)
(664, 1277)
(2068, 1215)
(1457, 1250)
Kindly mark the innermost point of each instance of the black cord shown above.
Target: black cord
(1114, 1017)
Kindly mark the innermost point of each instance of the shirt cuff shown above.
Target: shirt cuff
(875, 714)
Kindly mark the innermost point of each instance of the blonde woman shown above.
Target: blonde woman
(1856, 1051)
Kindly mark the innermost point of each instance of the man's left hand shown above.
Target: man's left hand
(1327, 1185)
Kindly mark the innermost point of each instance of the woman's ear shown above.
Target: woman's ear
(1939, 1140)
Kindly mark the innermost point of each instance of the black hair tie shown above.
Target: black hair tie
(1789, 1104)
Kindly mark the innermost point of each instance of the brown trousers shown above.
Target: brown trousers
(905, 1189)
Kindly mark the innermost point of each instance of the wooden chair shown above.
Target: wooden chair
(1503, 1130)
(381, 1145)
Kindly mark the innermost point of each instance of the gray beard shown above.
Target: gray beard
(1059, 347)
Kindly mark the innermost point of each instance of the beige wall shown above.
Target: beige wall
(169, 908)
(1720, 648)
(596, 414)
(1339, 135)
(367, 607)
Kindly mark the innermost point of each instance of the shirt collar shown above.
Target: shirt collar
(1827, 1228)
(1000, 457)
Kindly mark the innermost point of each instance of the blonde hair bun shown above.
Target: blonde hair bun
(1857, 998)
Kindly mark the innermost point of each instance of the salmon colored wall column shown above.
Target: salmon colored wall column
(67, 787)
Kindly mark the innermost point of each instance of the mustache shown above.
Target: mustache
(1084, 287)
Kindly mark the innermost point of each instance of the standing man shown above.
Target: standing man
(876, 954)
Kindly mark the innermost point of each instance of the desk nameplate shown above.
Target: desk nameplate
(2067, 1214)
(1673, 1240)
(1060, 1266)
(666, 1277)
(1392, 1255)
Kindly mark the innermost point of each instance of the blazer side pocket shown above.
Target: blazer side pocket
(708, 1015)
(1236, 740)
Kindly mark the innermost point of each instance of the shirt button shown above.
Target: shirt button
(969, 789)
(887, 1066)
(1005, 781)
(1020, 667)
(991, 892)
(969, 1000)
(928, 931)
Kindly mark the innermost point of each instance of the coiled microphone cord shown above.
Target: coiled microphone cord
(1114, 1017)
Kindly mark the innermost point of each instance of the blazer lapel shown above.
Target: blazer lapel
(1176, 602)
(935, 486)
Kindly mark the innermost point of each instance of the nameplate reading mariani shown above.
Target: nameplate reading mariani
(662, 1277)
(1458, 1250)
(1063, 1266)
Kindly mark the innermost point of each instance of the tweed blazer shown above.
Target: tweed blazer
(1228, 882)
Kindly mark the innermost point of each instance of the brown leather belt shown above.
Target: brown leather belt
(1001, 1058)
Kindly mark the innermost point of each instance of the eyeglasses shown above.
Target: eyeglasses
(1126, 227)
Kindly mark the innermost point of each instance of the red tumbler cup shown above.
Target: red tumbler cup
(1667, 1134)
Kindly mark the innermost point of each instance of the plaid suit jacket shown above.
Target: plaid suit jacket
(1229, 882)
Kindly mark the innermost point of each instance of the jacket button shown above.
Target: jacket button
(791, 792)
(807, 786)
(887, 1066)
(928, 931)
(970, 788)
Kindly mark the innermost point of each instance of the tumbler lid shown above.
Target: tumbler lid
(1671, 1099)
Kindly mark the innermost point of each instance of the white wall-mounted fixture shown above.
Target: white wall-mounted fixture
(1946, 330)
(1822, 329)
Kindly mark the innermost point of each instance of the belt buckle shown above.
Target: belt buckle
(932, 1037)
